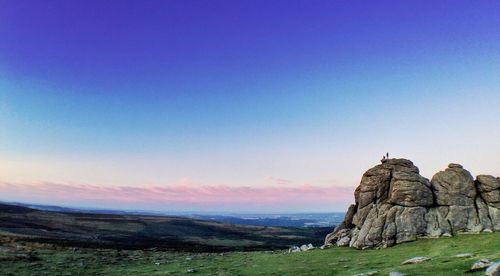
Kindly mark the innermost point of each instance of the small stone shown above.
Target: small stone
(415, 260)
(189, 258)
(481, 264)
(493, 269)
(395, 273)
(464, 255)
(374, 272)
(190, 270)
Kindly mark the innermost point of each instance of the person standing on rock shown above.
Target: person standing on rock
(386, 155)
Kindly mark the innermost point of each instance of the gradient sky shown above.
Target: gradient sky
(243, 106)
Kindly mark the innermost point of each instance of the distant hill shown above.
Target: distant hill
(330, 219)
(279, 220)
(141, 231)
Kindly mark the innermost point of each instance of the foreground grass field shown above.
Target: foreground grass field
(17, 258)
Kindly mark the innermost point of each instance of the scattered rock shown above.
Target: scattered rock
(294, 249)
(374, 272)
(481, 264)
(415, 260)
(190, 270)
(306, 247)
(189, 258)
(493, 269)
(464, 255)
(395, 273)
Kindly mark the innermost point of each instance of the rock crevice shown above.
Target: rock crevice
(395, 204)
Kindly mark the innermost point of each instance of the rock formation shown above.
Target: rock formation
(395, 204)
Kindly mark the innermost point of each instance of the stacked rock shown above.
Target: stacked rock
(395, 204)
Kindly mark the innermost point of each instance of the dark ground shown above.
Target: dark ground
(140, 231)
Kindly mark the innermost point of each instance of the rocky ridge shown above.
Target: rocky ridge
(395, 204)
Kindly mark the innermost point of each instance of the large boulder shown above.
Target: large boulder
(410, 189)
(454, 186)
(395, 204)
(489, 189)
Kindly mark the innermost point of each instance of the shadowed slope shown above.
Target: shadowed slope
(129, 231)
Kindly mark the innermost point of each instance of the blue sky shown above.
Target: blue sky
(244, 93)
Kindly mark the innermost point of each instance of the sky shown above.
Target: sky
(240, 106)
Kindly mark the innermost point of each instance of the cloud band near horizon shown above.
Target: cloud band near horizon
(181, 196)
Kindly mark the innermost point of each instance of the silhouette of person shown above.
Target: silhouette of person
(387, 155)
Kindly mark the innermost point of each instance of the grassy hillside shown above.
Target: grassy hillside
(27, 258)
(139, 232)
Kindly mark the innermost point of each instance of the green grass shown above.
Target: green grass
(333, 261)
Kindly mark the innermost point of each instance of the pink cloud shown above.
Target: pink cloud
(200, 196)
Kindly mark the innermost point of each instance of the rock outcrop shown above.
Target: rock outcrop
(395, 204)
